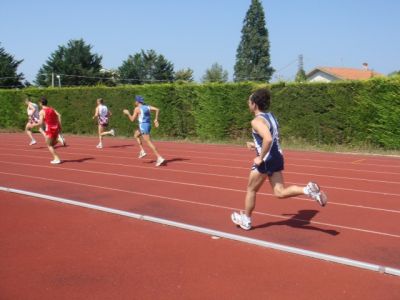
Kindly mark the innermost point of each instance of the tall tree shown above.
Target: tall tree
(74, 64)
(301, 74)
(184, 75)
(146, 67)
(9, 78)
(215, 74)
(252, 56)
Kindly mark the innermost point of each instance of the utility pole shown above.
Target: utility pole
(52, 79)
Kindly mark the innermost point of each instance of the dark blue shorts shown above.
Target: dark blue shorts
(270, 166)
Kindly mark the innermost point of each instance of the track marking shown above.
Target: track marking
(211, 174)
(201, 204)
(243, 155)
(245, 168)
(358, 161)
(192, 184)
(216, 233)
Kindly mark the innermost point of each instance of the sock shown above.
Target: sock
(306, 191)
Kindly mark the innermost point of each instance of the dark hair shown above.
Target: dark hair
(262, 98)
(43, 100)
(100, 100)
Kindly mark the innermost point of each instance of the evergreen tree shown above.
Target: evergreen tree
(394, 73)
(252, 57)
(74, 64)
(215, 74)
(184, 75)
(146, 67)
(9, 78)
(301, 74)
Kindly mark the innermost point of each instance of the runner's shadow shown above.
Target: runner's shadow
(80, 160)
(121, 146)
(301, 220)
(167, 161)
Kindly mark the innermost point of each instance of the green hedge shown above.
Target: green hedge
(350, 113)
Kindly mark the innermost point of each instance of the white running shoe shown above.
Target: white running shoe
(112, 132)
(33, 142)
(241, 220)
(312, 187)
(55, 161)
(142, 154)
(160, 161)
(99, 146)
(320, 197)
(316, 194)
(61, 139)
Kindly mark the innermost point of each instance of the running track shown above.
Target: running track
(202, 184)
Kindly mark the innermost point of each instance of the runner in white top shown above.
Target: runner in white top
(33, 118)
(102, 114)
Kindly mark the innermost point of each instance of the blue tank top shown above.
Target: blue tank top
(275, 149)
(144, 116)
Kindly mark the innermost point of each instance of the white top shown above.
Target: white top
(33, 113)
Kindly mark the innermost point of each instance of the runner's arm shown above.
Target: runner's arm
(153, 108)
(96, 112)
(41, 119)
(31, 109)
(263, 130)
(133, 116)
(59, 117)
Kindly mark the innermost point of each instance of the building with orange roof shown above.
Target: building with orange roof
(329, 74)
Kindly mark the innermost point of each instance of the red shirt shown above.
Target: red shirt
(51, 121)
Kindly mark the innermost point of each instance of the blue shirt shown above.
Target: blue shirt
(144, 116)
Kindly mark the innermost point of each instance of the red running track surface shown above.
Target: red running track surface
(202, 184)
(57, 251)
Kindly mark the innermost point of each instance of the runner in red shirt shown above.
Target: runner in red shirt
(52, 119)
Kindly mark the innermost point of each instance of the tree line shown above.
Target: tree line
(75, 64)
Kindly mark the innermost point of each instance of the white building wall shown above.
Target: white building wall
(321, 77)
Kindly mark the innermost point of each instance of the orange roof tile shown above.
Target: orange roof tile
(347, 73)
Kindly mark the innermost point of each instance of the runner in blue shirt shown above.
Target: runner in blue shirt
(142, 112)
(269, 161)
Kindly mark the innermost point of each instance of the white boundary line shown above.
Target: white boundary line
(211, 232)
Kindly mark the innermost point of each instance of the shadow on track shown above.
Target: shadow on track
(121, 146)
(301, 220)
(79, 160)
(167, 161)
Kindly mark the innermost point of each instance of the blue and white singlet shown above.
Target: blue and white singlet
(273, 160)
(144, 119)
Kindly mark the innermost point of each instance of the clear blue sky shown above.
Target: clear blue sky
(196, 33)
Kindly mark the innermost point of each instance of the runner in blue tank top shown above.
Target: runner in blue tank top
(142, 112)
(269, 161)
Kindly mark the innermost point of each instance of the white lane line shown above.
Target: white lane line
(247, 168)
(212, 174)
(212, 232)
(192, 184)
(237, 148)
(213, 157)
(201, 204)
